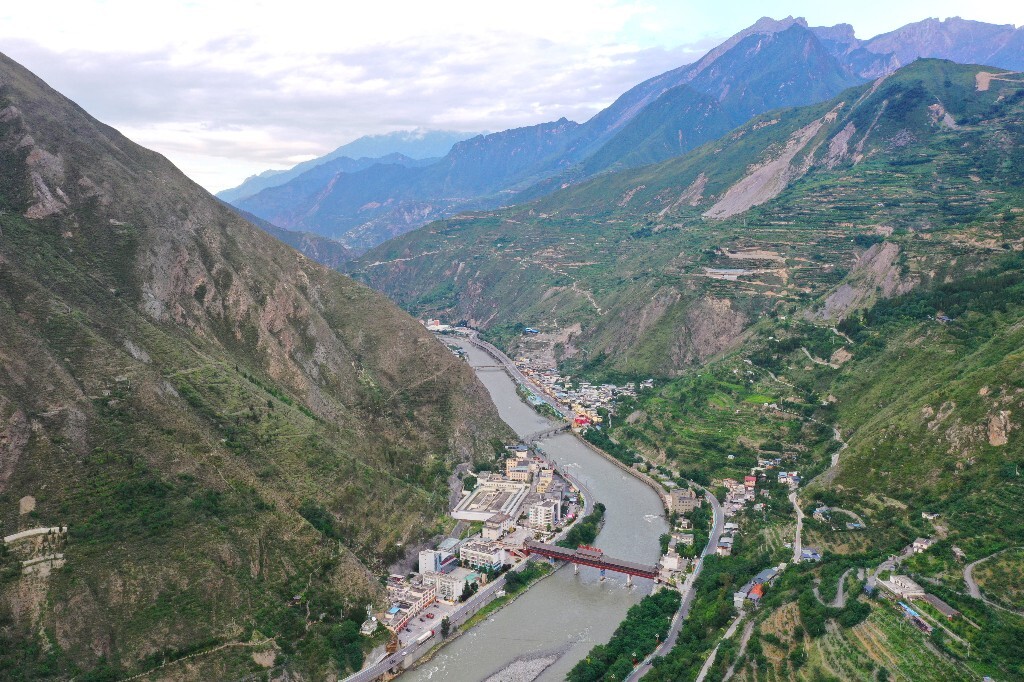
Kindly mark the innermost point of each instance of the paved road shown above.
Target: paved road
(689, 592)
(797, 545)
(459, 616)
(855, 515)
(889, 564)
(972, 586)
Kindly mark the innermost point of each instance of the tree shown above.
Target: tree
(446, 627)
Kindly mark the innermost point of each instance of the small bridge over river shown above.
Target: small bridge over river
(546, 433)
(591, 556)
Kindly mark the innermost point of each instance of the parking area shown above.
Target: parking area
(428, 619)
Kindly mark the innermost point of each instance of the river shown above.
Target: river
(564, 614)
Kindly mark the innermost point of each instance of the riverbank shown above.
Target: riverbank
(495, 605)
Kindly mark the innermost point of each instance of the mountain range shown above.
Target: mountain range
(413, 144)
(772, 64)
(651, 264)
(813, 246)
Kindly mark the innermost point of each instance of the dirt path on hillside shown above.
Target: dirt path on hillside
(840, 599)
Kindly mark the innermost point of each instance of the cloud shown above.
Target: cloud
(229, 107)
(226, 92)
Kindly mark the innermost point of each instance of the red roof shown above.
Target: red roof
(757, 591)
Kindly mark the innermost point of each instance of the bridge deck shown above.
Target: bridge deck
(590, 558)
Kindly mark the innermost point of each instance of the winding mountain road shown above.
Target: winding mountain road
(840, 598)
(689, 591)
(975, 591)
(855, 515)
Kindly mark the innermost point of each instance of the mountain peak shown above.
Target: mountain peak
(770, 25)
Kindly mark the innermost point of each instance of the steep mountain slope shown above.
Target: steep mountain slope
(219, 422)
(665, 266)
(609, 121)
(759, 73)
(905, 418)
(365, 207)
(413, 144)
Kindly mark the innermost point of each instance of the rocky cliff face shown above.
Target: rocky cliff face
(218, 421)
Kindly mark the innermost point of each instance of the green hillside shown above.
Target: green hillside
(666, 266)
(847, 274)
(220, 423)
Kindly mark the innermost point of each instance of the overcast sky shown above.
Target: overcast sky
(226, 90)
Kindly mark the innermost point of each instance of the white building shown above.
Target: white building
(483, 555)
(496, 495)
(436, 561)
(496, 526)
(903, 587)
(544, 515)
(922, 544)
(450, 586)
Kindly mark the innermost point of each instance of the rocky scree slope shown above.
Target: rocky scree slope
(220, 423)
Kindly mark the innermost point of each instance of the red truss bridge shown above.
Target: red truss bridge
(592, 556)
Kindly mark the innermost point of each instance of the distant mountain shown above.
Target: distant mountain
(760, 72)
(956, 39)
(365, 207)
(412, 144)
(219, 422)
(321, 249)
(606, 123)
(771, 64)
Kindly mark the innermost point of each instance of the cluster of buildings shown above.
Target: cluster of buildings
(903, 589)
(754, 590)
(528, 487)
(679, 501)
(584, 399)
(738, 494)
(524, 501)
(444, 575)
(766, 464)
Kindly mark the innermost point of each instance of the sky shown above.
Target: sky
(227, 90)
